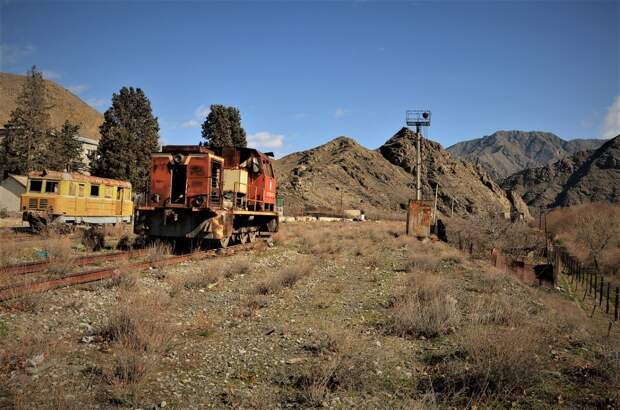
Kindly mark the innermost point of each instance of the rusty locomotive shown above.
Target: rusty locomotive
(209, 196)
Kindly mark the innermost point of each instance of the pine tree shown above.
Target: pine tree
(222, 127)
(129, 134)
(65, 150)
(24, 147)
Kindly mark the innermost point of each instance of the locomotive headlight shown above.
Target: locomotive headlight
(199, 200)
(177, 158)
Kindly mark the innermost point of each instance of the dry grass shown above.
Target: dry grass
(136, 323)
(286, 277)
(60, 255)
(424, 308)
(497, 310)
(158, 251)
(340, 364)
(491, 364)
(238, 266)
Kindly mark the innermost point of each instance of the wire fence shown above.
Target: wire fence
(592, 287)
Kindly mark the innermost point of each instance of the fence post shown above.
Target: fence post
(617, 297)
(600, 294)
(595, 286)
(608, 286)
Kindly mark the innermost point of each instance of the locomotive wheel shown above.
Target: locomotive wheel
(243, 238)
(251, 237)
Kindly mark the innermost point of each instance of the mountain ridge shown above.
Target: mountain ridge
(504, 153)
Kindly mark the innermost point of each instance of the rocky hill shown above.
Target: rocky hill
(586, 176)
(382, 180)
(505, 152)
(317, 177)
(65, 105)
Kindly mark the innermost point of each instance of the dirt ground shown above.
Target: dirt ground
(336, 315)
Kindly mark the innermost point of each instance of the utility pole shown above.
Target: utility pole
(418, 164)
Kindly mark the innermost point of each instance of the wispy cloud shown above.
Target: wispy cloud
(265, 140)
(96, 102)
(11, 54)
(190, 124)
(339, 113)
(200, 113)
(50, 75)
(611, 125)
(77, 89)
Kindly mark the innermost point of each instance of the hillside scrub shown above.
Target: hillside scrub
(374, 319)
(590, 232)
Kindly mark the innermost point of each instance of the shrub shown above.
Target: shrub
(136, 323)
(492, 363)
(286, 277)
(60, 255)
(424, 309)
(239, 266)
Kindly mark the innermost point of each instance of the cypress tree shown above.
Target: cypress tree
(129, 134)
(24, 147)
(65, 150)
(222, 127)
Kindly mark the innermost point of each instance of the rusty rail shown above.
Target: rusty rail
(34, 267)
(107, 273)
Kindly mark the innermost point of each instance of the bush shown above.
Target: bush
(491, 363)
(424, 309)
(286, 277)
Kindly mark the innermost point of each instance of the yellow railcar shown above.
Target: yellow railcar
(61, 197)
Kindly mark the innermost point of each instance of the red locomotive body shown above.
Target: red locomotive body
(200, 194)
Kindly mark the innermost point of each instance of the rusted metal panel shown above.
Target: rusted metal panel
(160, 179)
(198, 178)
(530, 273)
(419, 218)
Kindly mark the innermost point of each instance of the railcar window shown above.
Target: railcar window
(94, 190)
(119, 193)
(51, 187)
(36, 186)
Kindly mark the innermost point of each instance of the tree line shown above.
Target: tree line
(129, 134)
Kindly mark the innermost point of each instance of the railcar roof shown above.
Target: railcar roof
(74, 176)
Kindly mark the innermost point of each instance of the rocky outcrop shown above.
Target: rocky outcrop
(464, 186)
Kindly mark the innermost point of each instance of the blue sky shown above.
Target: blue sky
(303, 73)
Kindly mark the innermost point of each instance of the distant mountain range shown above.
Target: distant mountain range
(65, 105)
(505, 152)
(586, 176)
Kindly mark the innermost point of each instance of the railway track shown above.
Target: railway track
(42, 266)
(77, 278)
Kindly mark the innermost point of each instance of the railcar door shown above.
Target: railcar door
(198, 180)
(80, 200)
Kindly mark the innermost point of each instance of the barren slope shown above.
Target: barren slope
(366, 179)
(471, 188)
(65, 105)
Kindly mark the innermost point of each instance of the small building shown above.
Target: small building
(11, 189)
(89, 145)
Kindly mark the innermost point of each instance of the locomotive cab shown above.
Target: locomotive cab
(201, 194)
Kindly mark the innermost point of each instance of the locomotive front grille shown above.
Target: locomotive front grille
(32, 203)
(43, 203)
